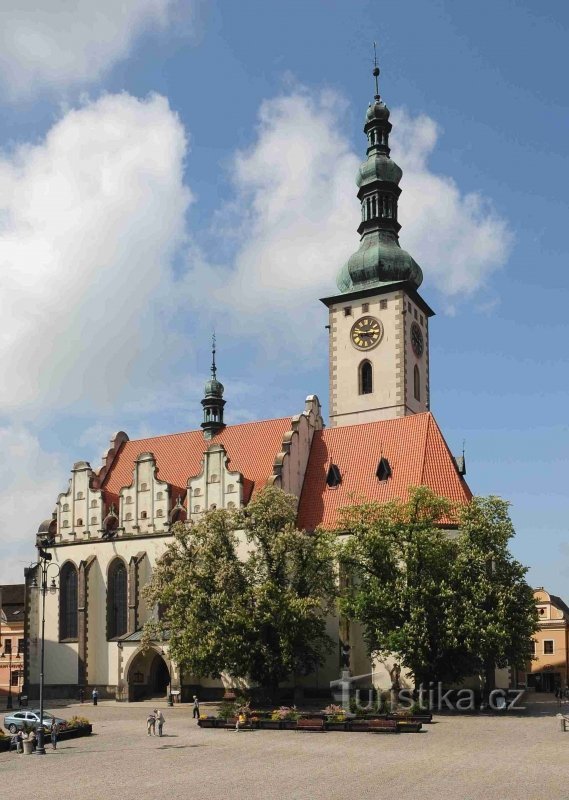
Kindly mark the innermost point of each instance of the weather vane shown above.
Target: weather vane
(375, 71)
(213, 368)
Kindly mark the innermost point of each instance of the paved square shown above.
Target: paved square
(457, 758)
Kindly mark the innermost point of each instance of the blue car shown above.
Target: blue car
(19, 720)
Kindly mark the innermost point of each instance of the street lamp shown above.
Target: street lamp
(44, 566)
(9, 698)
(170, 698)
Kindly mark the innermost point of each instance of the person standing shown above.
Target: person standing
(196, 711)
(160, 720)
(54, 730)
(151, 724)
(95, 695)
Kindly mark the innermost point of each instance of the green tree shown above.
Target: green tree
(252, 604)
(495, 604)
(446, 605)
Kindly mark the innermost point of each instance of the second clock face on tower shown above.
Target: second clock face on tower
(417, 340)
(366, 333)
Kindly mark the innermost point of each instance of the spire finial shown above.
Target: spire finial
(213, 367)
(375, 71)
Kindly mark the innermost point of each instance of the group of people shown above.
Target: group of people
(562, 694)
(31, 736)
(155, 718)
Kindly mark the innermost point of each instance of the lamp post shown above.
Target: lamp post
(44, 566)
(9, 698)
(170, 698)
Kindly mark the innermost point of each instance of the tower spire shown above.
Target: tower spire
(213, 401)
(379, 260)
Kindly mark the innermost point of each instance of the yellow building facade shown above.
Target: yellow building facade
(550, 666)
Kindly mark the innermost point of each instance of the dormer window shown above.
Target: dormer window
(333, 478)
(383, 471)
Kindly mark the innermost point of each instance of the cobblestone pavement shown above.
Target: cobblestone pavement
(457, 758)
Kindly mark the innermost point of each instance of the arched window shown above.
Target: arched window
(117, 600)
(365, 378)
(159, 496)
(93, 504)
(417, 383)
(68, 602)
(65, 507)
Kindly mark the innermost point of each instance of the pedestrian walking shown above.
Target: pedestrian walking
(95, 695)
(54, 730)
(81, 695)
(151, 724)
(196, 711)
(159, 720)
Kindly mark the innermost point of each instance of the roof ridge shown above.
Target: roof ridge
(199, 430)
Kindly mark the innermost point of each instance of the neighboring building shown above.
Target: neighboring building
(112, 523)
(550, 667)
(11, 638)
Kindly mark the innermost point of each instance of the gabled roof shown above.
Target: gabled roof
(414, 447)
(251, 448)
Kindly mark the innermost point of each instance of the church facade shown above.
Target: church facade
(113, 522)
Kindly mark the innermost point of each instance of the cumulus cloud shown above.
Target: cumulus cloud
(458, 238)
(90, 220)
(60, 44)
(298, 214)
(30, 480)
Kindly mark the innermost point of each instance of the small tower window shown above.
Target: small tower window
(79, 496)
(128, 499)
(143, 515)
(159, 496)
(383, 471)
(159, 513)
(333, 478)
(65, 507)
(230, 488)
(197, 492)
(383, 304)
(93, 520)
(128, 517)
(417, 383)
(365, 308)
(365, 378)
(143, 487)
(347, 311)
(197, 509)
(79, 522)
(93, 504)
(214, 478)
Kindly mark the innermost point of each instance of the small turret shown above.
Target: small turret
(213, 401)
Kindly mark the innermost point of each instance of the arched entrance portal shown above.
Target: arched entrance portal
(148, 676)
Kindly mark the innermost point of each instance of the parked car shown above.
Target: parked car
(30, 719)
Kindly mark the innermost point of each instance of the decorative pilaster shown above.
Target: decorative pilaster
(83, 619)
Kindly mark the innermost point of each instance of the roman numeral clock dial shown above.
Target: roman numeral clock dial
(366, 333)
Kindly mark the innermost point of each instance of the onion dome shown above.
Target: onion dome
(379, 260)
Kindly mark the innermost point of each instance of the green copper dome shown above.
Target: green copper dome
(378, 167)
(213, 388)
(378, 261)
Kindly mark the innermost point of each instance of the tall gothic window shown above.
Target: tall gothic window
(365, 378)
(117, 599)
(68, 602)
(417, 383)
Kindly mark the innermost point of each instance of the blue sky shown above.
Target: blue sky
(167, 167)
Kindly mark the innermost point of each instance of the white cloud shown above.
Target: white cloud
(30, 480)
(459, 239)
(90, 220)
(297, 215)
(59, 44)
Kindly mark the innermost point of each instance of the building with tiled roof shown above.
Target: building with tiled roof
(112, 522)
(12, 639)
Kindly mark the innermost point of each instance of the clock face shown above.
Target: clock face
(366, 333)
(417, 340)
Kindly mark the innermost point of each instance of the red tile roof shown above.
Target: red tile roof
(417, 454)
(251, 448)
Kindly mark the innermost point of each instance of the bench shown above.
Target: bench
(383, 726)
(310, 724)
(231, 722)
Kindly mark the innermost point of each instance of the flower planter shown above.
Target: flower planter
(424, 718)
(74, 733)
(270, 724)
(4, 744)
(336, 725)
(28, 747)
(288, 724)
(359, 725)
(208, 723)
(409, 727)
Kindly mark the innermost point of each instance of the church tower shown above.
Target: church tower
(378, 323)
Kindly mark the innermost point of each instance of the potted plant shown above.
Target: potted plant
(206, 721)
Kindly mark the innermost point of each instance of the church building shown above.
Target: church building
(113, 521)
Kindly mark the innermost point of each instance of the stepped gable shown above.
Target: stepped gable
(414, 448)
(251, 448)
